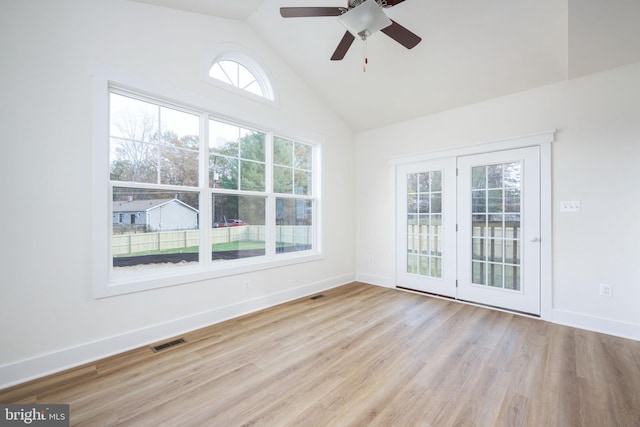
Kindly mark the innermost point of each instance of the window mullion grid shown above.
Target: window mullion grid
(270, 220)
(159, 144)
(248, 84)
(315, 197)
(109, 231)
(226, 74)
(206, 194)
(237, 74)
(154, 186)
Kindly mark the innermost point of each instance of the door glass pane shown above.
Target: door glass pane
(424, 179)
(495, 240)
(412, 184)
(478, 249)
(424, 244)
(512, 277)
(479, 177)
(436, 203)
(436, 267)
(512, 200)
(423, 202)
(495, 250)
(479, 201)
(424, 266)
(495, 226)
(494, 201)
(478, 225)
(436, 248)
(424, 224)
(435, 224)
(412, 264)
(436, 181)
(494, 176)
(478, 273)
(495, 275)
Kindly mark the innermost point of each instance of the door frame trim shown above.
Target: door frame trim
(542, 140)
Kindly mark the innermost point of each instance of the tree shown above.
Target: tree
(141, 154)
(179, 159)
(239, 164)
(134, 139)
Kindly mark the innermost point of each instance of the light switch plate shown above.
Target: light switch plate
(574, 206)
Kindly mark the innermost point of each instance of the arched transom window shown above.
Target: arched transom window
(236, 75)
(241, 72)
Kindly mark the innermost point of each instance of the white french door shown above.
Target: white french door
(499, 229)
(469, 228)
(426, 229)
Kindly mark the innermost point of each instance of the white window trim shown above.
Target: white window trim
(103, 77)
(237, 53)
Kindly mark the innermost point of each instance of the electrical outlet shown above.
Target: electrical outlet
(247, 285)
(370, 258)
(605, 290)
(574, 206)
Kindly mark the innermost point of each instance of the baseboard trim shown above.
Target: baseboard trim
(40, 366)
(587, 322)
(372, 279)
(602, 325)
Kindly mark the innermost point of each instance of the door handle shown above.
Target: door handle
(534, 239)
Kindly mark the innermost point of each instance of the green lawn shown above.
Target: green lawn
(218, 247)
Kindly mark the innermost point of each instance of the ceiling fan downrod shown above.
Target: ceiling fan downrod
(355, 3)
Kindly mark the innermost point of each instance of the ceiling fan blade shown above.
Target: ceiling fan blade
(393, 2)
(303, 12)
(343, 46)
(400, 34)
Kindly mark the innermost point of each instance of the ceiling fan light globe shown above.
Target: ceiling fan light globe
(365, 19)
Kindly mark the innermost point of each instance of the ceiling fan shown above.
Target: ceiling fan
(362, 18)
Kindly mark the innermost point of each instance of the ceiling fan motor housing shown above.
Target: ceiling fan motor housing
(355, 3)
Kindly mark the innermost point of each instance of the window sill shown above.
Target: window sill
(147, 280)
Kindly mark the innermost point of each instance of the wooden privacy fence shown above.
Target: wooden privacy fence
(425, 239)
(137, 243)
(488, 241)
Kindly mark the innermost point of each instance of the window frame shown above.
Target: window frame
(104, 284)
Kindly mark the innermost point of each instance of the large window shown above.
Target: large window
(192, 196)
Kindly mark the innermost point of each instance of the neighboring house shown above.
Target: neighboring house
(155, 215)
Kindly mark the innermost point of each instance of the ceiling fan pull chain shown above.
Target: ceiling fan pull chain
(366, 60)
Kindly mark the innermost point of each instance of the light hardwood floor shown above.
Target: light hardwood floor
(360, 356)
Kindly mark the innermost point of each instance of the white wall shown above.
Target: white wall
(48, 317)
(596, 158)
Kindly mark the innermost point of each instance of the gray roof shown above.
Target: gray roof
(143, 205)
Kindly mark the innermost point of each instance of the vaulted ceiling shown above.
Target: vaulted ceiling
(470, 51)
